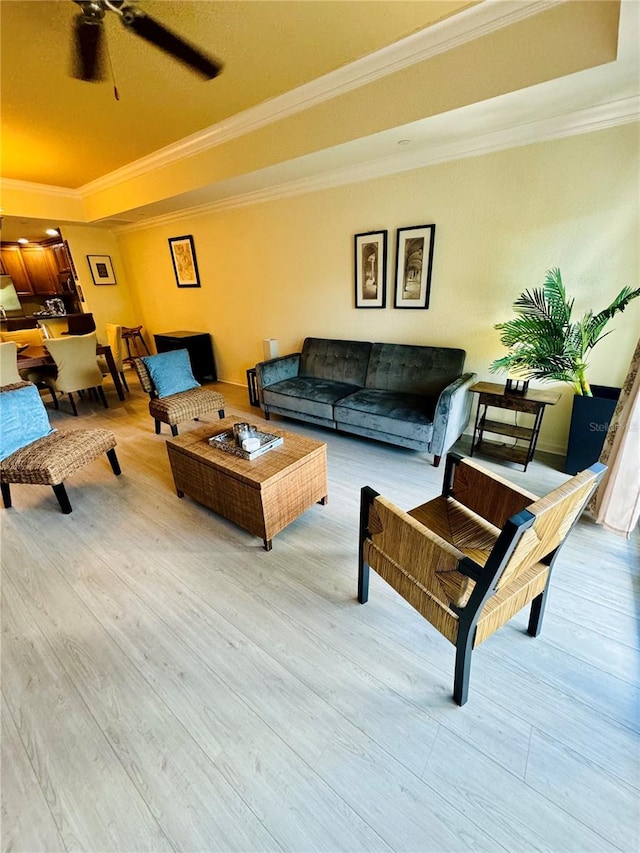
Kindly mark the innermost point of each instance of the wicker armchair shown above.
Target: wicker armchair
(36, 454)
(177, 408)
(473, 557)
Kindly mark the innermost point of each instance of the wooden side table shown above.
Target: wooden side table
(199, 347)
(532, 402)
(252, 387)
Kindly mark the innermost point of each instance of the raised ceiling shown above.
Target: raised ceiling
(312, 94)
(66, 132)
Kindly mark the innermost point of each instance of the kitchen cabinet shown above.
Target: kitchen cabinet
(14, 265)
(41, 269)
(60, 257)
(35, 269)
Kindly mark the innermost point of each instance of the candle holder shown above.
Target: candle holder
(517, 386)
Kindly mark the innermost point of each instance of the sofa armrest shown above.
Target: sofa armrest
(452, 415)
(276, 370)
(414, 560)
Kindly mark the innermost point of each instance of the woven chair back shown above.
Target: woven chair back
(495, 499)
(554, 514)
(76, 361)
(143, 376)
(9, 363)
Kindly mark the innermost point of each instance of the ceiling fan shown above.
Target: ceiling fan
(89, 39)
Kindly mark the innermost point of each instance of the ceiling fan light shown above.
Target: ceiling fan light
(89, 48)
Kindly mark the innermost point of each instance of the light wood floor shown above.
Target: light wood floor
(169, 685)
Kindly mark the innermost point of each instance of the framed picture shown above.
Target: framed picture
(185, 266)
(414, 260)
(370, 252)
(101, 269)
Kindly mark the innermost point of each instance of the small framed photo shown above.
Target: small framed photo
(101, 269)
(414, 260)
(370, 252)
(185, 265)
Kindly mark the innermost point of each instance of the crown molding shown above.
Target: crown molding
(479, 20)
(601, 117)
(12, 185)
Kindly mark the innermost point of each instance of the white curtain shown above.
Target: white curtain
(616, 504)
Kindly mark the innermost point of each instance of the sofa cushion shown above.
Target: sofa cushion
(407, 415)
(413, 369)
(307, 395)
(336, 361)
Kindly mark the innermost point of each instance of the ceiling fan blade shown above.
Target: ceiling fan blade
(88, 63)
(154, 32)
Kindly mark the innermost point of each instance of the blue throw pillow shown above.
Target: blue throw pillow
(23, 419)
(171, 372)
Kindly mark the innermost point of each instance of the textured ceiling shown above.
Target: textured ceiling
(548, 69)
(66, 132)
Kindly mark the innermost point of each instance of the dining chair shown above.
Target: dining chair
(472, 558)
(37, 375)
(33, 337)
(9, 363)
(115, 342)
(47, 331)
(77, 366)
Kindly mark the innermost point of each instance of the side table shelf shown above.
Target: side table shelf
(533, 402)
(252, 387)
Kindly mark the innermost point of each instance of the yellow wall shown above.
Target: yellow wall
(108, 303)
(284, 269)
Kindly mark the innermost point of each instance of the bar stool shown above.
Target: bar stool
(132, 335)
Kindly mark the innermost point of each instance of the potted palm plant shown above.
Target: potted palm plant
(544, 343)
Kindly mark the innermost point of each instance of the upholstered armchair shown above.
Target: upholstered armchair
(9, 363)
(33, 337)
(32, 452)
(115, 342)
(175, 395)
(473, 557)
(77, 366)
(43, 377)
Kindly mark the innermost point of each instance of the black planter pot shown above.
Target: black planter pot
(590, 419)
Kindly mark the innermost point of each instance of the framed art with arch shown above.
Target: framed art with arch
(370, 258)
(414, 262)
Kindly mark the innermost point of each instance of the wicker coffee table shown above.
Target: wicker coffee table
(263, 495)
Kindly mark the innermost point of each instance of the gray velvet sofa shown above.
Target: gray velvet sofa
(413, 396)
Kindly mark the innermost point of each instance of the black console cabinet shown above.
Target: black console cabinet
(199, 347)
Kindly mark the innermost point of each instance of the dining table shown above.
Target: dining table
(39, 356)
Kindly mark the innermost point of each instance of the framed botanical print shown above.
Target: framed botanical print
(185, 266)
